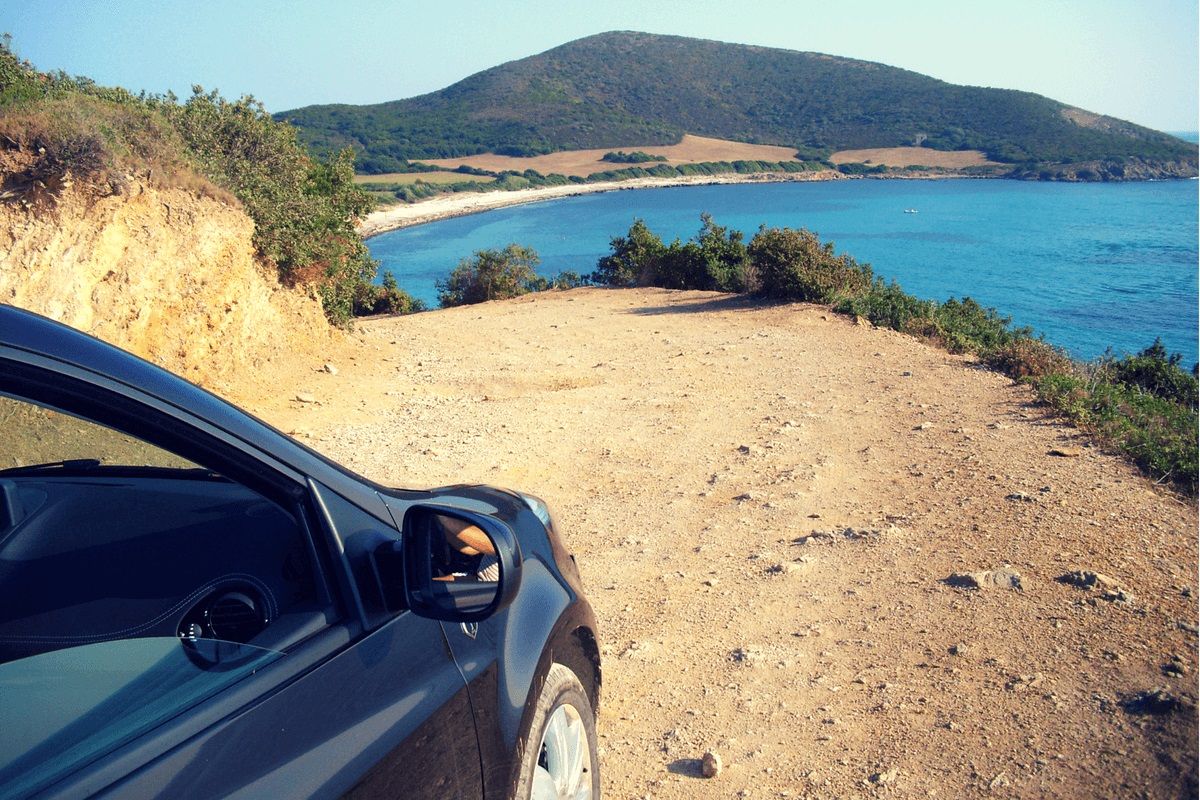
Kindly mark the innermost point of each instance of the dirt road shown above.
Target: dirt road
(767, 505)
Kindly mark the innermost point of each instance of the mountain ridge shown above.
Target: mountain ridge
(622, 89)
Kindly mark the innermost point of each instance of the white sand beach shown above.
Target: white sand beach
(461, 204)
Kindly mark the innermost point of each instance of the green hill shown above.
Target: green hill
(624, 89)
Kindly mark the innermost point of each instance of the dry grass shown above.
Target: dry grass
(440, 178)
(690, 150)
(913, 157)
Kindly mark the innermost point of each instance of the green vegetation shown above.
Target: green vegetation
(1153, 424)
(409, 187)
(388, 298)
(618, 88)
(634, 258)
(716, 260)
(61, 130)
(856, 168)
(490, 275)
(794, 265)
(636, 157)
(499, 275)
(395, 179)
(1144, 406)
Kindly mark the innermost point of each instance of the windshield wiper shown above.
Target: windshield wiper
(68, 465)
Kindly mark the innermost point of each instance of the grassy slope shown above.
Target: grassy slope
(624, 89)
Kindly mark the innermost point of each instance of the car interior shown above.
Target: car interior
(92, 551)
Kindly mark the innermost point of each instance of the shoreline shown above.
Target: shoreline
(447, 206)
(462, 204)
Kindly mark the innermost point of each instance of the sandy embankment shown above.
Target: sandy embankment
(458, 205)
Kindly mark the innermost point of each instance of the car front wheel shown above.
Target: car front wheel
(559, 760)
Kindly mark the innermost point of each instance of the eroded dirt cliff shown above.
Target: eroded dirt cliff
(168, 275)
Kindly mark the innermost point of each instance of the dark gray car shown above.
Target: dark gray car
(193, 604)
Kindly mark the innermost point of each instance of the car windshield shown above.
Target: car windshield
(65, 708)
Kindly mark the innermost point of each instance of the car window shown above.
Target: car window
(134, 583)
(36, 434)
(63, 708)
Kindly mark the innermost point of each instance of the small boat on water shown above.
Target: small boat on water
(910, 211)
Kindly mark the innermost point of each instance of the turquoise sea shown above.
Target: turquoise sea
(1089, 265)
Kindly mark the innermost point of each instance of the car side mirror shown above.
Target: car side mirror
(458, 566)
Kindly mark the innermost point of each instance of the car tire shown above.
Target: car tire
(558, 757)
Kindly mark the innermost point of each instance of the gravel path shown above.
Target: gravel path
(780, 517)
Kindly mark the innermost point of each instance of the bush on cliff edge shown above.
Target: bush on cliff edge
(1143, 406)
(57, 130)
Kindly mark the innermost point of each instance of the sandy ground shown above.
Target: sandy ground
(690, 150)
(766, 504)
(914, 156)
(464, 203)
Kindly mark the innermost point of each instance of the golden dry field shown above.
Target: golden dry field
(913, 157)
(691, 150)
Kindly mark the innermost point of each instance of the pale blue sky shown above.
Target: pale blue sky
(1134, 60)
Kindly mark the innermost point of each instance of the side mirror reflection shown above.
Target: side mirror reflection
(458, 566)
(470, 555)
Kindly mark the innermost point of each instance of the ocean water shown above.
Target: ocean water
(1091, 266)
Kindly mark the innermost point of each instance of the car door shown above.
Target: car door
(133, 538)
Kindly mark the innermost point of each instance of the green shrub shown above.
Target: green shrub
(568, 279)
(682, 266)
(967, 327)
(1029, 358)
(636, 157)
(716, 260)
(96, 142)
(792, 264)
(1155, 371)
(888, 306)
(726, 258)
(1159, 435)
(386, 299)
(491, 275)
(861, 169)
(633, 259)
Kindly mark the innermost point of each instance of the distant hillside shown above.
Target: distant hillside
(626, 89)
